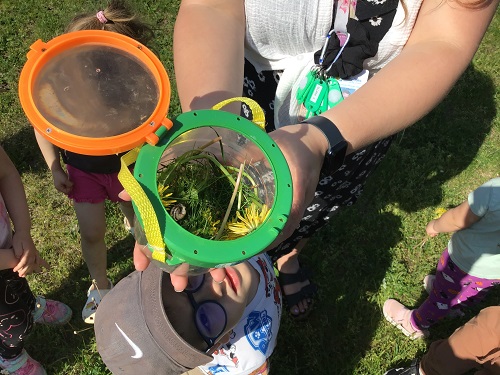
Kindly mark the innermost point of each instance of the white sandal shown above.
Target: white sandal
(94, 298)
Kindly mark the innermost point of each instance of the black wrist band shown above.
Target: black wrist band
(337, 145)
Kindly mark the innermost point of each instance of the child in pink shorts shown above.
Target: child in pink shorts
(90, 180)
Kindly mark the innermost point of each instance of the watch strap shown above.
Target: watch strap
(337, 145)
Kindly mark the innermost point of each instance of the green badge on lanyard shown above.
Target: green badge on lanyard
(318, 92)
(316, 95)
(305, 84)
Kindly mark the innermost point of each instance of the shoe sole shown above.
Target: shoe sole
(412, 336)
(92, 296)
(58, 322)
(89, 319)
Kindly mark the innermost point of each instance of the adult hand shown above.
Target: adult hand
(304, 147)
(179, 277)
(29, 258)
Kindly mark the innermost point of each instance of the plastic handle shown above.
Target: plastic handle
(258, 117)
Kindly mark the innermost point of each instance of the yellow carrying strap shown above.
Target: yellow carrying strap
(258, 117)
(143, 204)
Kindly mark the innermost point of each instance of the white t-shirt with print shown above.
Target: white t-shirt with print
(254, 338)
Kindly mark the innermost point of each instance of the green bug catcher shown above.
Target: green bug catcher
(252, 166)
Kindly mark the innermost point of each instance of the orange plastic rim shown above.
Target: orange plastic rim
(41, 53)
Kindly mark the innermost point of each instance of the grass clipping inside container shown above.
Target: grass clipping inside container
(208, 197)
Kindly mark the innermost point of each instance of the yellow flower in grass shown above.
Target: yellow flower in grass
(439, 211)
(164, 195)
(248, 222)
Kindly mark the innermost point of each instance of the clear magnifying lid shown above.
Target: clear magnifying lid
(95, 92)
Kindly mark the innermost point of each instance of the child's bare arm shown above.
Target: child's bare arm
(51, 155)
(7, 259)
(457, 218)
(12, 190)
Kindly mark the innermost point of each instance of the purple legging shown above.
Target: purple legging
(451, 289)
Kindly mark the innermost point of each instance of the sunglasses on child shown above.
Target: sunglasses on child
(210, 317)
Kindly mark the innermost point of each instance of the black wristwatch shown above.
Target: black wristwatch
(337, 148)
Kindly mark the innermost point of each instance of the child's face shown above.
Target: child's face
(233, 294)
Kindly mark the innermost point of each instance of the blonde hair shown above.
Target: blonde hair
(119, 19)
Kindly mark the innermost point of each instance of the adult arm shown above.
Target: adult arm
(445, 37)
(209, 52)
(209, 35)
(443, 41)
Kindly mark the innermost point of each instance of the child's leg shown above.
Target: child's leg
(445, 288)
(92, 222)
(17, 304)
(474, 344)
(474, 289)
(450, 289)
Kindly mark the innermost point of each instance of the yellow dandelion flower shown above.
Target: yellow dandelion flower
(164, 195)
(214, 227)
(248, 222)
(439, 211)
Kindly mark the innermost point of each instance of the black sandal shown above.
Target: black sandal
(308, 291)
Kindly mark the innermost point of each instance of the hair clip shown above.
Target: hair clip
(101, 17)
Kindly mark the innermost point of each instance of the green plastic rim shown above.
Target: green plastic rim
(185, 247)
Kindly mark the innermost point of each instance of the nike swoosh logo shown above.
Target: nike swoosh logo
(137, 350)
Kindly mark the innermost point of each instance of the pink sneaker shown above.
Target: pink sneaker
(23, 364)
(399, 316)
(48, 311)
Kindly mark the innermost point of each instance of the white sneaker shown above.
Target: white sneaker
(428, 283)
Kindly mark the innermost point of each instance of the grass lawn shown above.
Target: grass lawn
(371, 251)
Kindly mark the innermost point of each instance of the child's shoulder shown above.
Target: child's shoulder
(264, 256)
(494, 182)
(262, 263)
(268, 290)
(487, 196)
(491, 188)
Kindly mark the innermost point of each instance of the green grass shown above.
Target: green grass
(370, 252)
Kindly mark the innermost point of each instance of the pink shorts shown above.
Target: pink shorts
(93, 187)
